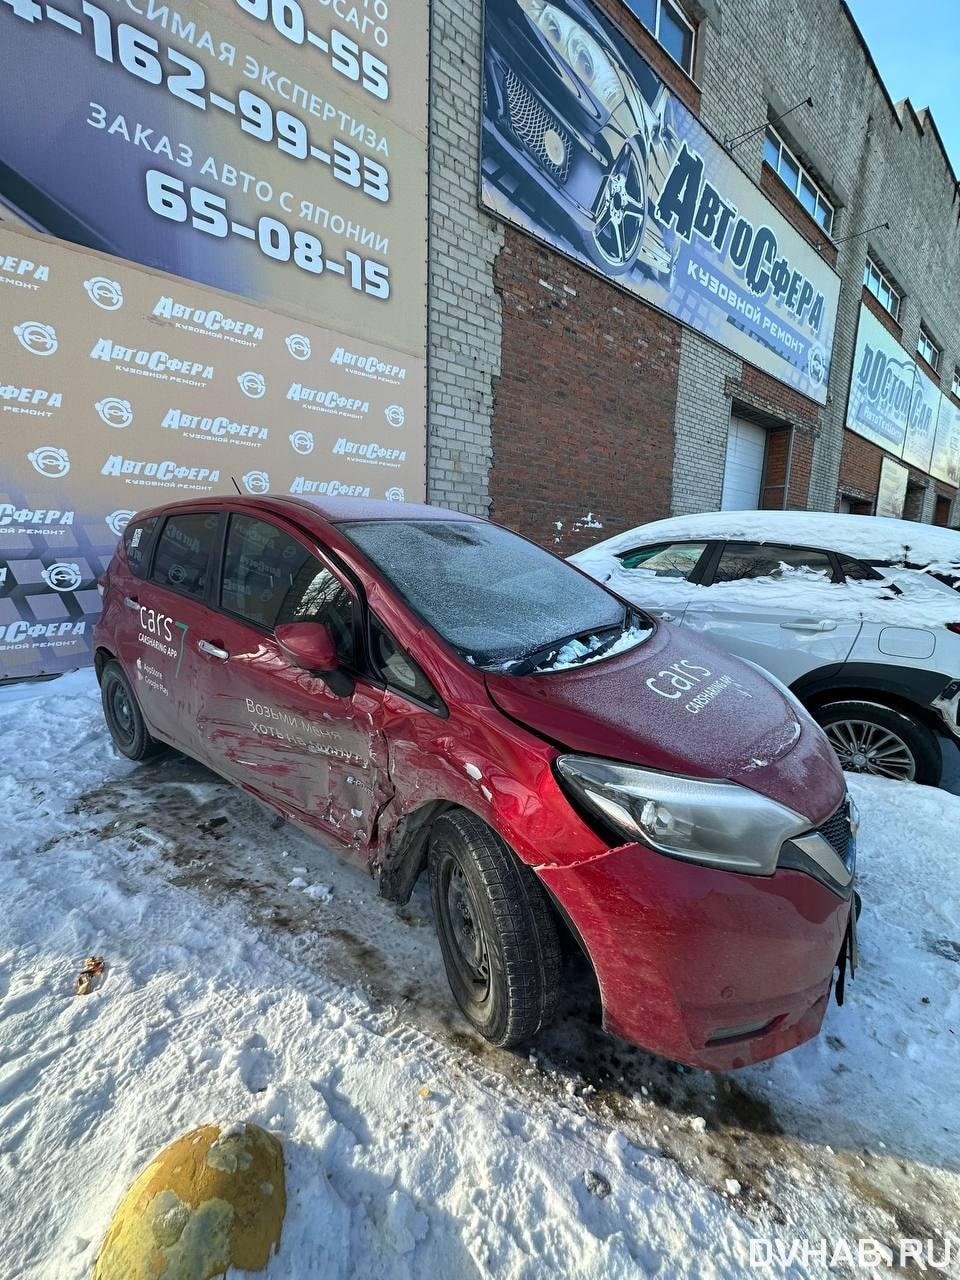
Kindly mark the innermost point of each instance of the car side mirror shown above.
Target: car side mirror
(309, 645)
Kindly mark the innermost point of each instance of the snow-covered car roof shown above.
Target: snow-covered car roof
(871, 538)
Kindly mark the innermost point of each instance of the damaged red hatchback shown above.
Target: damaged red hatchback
(429, 690)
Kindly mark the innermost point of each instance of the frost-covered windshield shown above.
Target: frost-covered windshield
(498, 599)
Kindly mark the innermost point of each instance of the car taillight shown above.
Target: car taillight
(954, 626)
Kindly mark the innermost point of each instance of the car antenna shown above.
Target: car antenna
(235, 485)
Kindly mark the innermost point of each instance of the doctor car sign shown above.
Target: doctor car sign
(213, 231)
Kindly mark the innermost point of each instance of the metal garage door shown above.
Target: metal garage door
(743, 470)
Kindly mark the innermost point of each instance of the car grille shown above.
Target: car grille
(530, 121)
(836, 831)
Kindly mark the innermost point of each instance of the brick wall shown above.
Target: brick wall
(464, 347)
(584, 404)
(701, 423)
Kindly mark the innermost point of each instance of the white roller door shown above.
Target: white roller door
(743, 470)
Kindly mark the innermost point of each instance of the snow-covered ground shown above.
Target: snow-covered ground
(251, 975)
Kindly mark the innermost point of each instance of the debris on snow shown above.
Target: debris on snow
(596, 1184)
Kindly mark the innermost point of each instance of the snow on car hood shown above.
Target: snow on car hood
(680, 705)
(901, 598)
(872, 538)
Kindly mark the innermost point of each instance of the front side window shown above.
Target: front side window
(270, 577)
(668, 560)
(397, 667)
(136, 544)
(493, 596)
(761, 560)
(183, 552)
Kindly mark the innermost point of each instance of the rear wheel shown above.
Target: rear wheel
(123, 716)
(496, 930)
(871, 738)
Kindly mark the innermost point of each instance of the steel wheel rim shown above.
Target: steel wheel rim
(620, 212)
(866, 747)
(465, 931)
(122, 707)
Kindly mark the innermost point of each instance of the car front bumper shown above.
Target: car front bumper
(710, 968)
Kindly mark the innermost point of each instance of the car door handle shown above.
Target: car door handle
(131, 603)
(810, 624)
(214, 650)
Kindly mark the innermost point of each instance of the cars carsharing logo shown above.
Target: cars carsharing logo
(114, 412)
(252, 384)
(39, 339)
(50, 461)
(105, 293)
(62, 576)
(256, 482)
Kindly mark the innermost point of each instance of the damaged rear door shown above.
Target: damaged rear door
(271, 726)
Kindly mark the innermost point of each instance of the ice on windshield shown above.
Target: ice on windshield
(488, 592)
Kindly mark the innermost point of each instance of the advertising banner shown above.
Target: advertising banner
(896, 404)
(121, 389)
(584, 147)
(266, 147)
(946, 450)
(265, 164)
(892, 490)
(881, 388)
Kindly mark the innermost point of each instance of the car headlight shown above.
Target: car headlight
(719, 824)
(579, 51)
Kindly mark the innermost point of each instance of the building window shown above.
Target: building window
(784, 163)
(928, 349)
(881, 288)
(955, 387)
(668, 26)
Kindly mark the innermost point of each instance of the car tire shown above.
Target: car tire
(123, 716)
(891, 743)
(496, 929)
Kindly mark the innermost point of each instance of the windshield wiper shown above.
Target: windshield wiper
(523, 666)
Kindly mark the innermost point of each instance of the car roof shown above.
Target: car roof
(873, 538)
(332, 510)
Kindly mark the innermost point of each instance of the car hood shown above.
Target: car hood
(680, 705)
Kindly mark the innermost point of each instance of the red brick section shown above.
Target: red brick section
(585, 403)
(672, 75)
(780, 195)
(882, 314)
(860, 474)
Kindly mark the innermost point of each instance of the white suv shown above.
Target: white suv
(853, 613)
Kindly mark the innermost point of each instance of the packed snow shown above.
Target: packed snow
(873, 538)
(900, 598)
(414, 1149)
(577, 653)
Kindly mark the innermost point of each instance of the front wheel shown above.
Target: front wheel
(123, 716)
(619, 215)
(871, 738)
(497, 934)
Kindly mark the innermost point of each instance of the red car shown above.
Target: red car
(428, 690)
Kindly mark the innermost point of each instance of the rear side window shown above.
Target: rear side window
(668, 560)
(755, 560)
(270, 577)
(136, 544)
(183, 552)
(856, 570)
